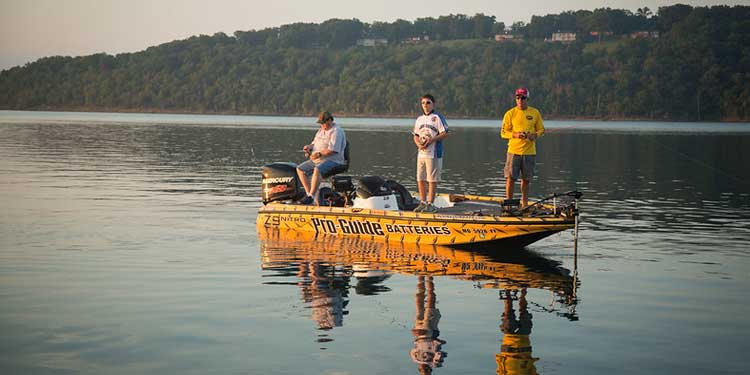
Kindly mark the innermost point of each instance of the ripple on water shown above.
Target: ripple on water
(133, 248)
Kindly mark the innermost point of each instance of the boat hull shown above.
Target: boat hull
(409, 227)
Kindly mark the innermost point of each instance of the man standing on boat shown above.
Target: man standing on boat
(429, 131)
(522, 126)
(326, 153)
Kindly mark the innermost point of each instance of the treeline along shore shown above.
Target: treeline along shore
(676, 63)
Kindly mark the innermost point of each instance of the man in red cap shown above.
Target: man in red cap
(522, 126)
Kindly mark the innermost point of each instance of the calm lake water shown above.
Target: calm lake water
(128, 245)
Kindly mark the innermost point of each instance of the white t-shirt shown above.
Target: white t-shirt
(332, 139)
(431, 125)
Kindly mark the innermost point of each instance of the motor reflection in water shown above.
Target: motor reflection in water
(327, 266)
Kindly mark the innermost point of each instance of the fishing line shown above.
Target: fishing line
(552, 130)
(696, 161)
(699, 162)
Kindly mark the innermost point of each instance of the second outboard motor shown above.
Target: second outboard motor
(280, 182)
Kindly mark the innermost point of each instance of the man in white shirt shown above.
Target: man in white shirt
(326, 152)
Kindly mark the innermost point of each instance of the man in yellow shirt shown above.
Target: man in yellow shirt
(522, 126)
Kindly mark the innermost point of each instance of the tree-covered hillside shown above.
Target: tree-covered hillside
(681, 63)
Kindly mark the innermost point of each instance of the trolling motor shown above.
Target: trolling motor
(569, 209)
(573, 211)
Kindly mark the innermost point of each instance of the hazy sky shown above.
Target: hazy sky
(30, 29)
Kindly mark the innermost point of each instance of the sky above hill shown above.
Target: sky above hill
(31, 29)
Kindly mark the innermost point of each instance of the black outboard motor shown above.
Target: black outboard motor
(280, 182)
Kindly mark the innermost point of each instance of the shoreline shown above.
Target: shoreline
(358, 115)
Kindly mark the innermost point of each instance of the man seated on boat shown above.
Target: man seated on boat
(326, 152)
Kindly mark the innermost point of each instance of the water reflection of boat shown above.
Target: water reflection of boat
(382, 210)
(488, 269)
(326, 267)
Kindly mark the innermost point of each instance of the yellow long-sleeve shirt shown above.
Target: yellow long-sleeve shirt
(527, 120)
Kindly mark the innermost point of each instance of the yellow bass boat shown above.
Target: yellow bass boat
(379, 209)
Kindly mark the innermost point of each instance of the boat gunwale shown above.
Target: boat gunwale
(400, 215)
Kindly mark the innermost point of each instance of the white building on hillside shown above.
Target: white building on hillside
(372, 42)
(562, 38)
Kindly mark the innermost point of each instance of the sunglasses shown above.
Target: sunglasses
(521, 97)
(427, 102)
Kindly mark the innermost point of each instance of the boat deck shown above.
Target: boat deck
(475, 209)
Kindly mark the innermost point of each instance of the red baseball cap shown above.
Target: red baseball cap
(522, 91)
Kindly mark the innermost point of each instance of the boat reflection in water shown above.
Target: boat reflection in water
(326, 267)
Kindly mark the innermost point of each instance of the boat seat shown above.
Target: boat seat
(403, 197)
(371, 186)
(374, 186)
(339, 184)
(343, 167)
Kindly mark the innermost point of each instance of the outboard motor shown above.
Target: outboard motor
(280, 182)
